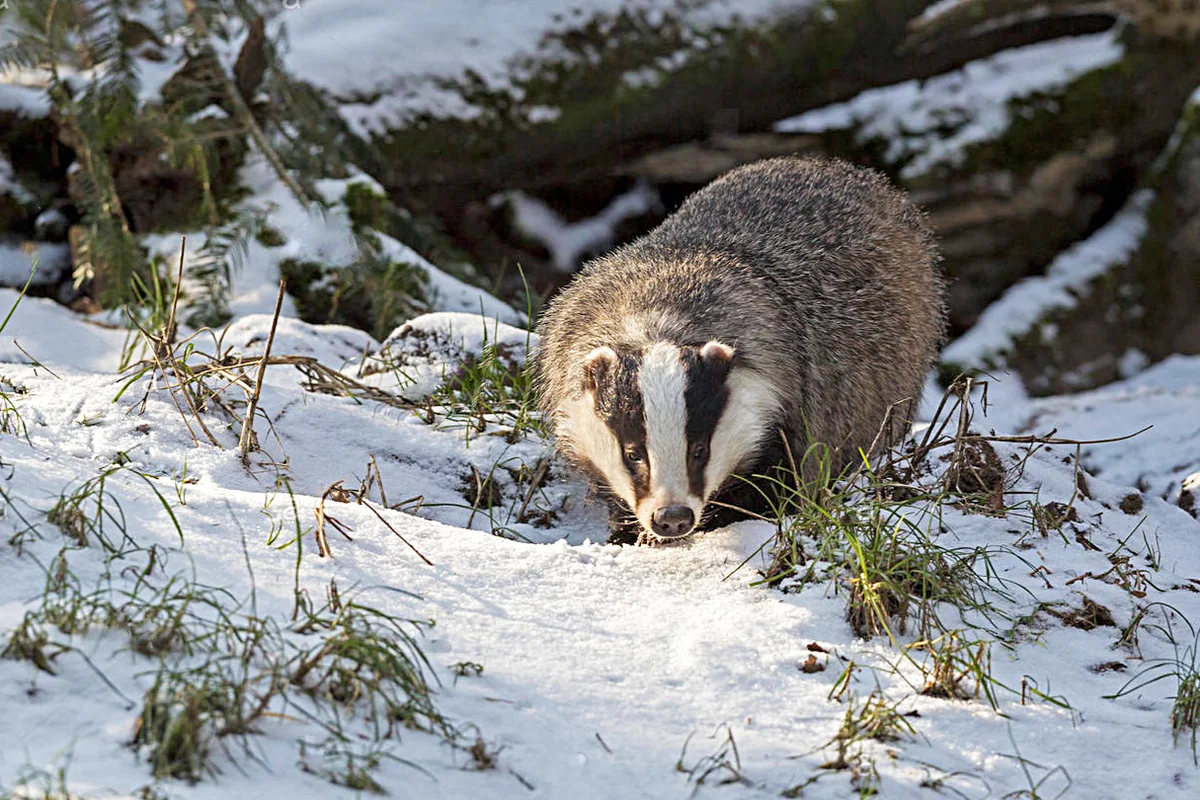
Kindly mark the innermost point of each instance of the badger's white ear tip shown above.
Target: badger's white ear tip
(596, 365)
(600, 354)
(716, 350)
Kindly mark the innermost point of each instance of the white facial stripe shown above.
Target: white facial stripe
(742, 428)
(582, 432)
(662, 380)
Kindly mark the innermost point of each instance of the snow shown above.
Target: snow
(17, 260)
(603, 667)
(51, 333)
(30, 101)
(325, 237)
(599, 661)
(421, 354)
(937, 9)
(570, 242)
(9, 184)
(386, 65)
(1165, 396)
(1029, 301)
(972, 103)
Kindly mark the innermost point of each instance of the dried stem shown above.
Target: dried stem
(247, 441)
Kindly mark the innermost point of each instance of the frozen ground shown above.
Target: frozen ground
(598, 661)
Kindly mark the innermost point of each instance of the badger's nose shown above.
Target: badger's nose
(671, 522)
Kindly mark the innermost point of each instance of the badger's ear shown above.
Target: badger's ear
(597, 366)
(717, 353)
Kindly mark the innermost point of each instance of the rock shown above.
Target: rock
(997, 227)
(699, 162)
(1147, 306)
(1165, 19)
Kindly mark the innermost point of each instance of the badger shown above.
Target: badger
(791, 302)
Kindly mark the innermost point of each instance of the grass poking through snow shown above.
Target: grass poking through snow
(216, 670)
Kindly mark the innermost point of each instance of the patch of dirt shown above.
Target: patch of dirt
(481, 491)
(1051, 516)
(1088, 616)
(1131, 503)
(1187, 501)
(975, 469)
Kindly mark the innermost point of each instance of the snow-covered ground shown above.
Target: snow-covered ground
(598, 661)
(585, 670)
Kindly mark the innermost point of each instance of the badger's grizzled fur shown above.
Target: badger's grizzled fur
(795, 294)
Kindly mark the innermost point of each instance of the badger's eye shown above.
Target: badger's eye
(634, 454)
(699, 451)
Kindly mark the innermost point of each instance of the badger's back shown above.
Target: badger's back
(820, 274)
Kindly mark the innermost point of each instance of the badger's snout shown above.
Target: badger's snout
(671, 522)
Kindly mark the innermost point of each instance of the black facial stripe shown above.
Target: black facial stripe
(706, 396)
(619, 404)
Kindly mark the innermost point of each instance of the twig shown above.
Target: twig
(169, 333)
(538, 475)
(1035, 439)
(1075, 493)
(930, 435)
(479, 482)
(379, 478)
(398, 535)
(158, 367)
(34, 361)
(246, 440)
(319, 512)
(964, 427)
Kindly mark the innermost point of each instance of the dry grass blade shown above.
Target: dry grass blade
(162, 351)
(538, 476)
(420, 555)
(379, 480)
(340, 494)
(247, 441)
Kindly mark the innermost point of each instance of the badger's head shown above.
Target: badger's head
(667, 426)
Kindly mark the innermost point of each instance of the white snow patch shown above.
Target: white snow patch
(422, 353)
(570, 242)
(1131, 362)
(28, 100)
(56, 336)
(1165, 396)
(1027, 302)
(9, 183)
(934, 10)
(17, 260)
(973, 102)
